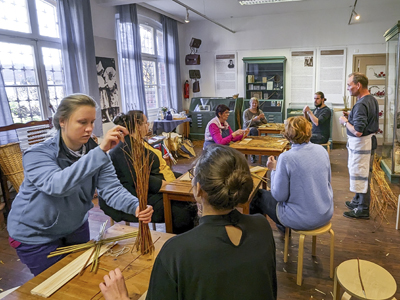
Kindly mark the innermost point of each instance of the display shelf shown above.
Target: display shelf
(265, 80)
(391, 132)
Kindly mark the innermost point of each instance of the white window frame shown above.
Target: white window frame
(37, 41)
(157, 58)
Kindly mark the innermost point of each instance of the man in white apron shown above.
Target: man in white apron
(362, 123)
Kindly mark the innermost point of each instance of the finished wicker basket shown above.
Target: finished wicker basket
(11, 164)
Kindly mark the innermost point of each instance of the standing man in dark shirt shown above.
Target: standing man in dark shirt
(362, 123)
(320, 119)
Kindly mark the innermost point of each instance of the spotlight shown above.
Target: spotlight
(357, 16)
(187, 16)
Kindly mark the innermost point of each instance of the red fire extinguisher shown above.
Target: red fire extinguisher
(186, 90)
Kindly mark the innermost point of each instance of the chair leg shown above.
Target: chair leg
(328, 148)
(332, 252)
(111, 222)
(300, 259)
(285, 251)
(127, 224)
(314, 245)
(154, 226)
(336, 288)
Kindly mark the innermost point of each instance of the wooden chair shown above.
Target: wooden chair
(28, 134)
(313, 233)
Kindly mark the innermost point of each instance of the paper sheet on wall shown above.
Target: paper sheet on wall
(331, 71)
(303, 77)
(225, 75)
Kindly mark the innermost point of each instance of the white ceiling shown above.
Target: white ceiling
(225, 9)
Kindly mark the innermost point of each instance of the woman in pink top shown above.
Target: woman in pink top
(218, 130)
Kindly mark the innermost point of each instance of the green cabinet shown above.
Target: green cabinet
(265, 80)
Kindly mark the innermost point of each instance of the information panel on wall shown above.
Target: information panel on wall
(331, 78)
(303, 77)
(225, 74)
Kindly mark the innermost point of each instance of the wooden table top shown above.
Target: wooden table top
(261, 143)
(184, 187)
(271, 128)
(137, 272)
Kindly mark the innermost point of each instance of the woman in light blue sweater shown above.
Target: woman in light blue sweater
(301, 194)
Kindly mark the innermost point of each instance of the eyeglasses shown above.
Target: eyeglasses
(191, 173)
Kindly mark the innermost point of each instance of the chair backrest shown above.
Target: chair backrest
(30, 133)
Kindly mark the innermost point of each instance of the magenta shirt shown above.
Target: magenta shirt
(217, 137)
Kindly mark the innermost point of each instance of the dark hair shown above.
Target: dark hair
(321, 94)
(223, 173)
(360, 78)
(221, 109)
(128, 120)
(297, 130)
(69, 104)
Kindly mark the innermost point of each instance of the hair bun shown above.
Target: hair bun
(120, 119)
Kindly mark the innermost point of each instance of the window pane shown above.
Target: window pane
(21, 81)
(151, 97)
(160, 43)
(149, 72)
(14, 15)
(47, 18)
(146, 39)
(54, 75)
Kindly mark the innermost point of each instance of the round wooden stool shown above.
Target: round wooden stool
(327, 228)
(378, 283)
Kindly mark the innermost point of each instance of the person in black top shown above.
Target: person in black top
(184, 214)
(229, 255)
(362, 123)
(320, 119)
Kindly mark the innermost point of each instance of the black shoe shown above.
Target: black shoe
(357, 214)
(351, 205)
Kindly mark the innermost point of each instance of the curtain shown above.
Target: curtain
(5, 115)
(172, 66)
(78, 51)
(130, 59)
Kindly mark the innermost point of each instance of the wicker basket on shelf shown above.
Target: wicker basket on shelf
(11, 164)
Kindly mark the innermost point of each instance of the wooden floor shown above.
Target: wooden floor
(365, 239)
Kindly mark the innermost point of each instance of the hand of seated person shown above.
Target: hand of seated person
(145, 215)
(237, 132)
(271, 163)
(113, 287)
(306, 109)
(261, 116)
(166, 157)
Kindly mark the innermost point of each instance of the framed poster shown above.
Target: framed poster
(108, 88)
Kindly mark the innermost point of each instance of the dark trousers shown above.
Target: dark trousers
(265, 204)
(318, 139)
(35, 256)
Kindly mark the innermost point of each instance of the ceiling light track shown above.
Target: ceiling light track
(253, 2)
(201, 15)
(353, 13)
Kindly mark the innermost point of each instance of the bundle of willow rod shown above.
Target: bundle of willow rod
(139, 157)
(90, 244)
(382, 197)
(259, 177)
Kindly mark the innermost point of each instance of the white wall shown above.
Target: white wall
(278, 35)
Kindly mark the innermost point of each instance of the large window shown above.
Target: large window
(30, 58)
(151, 37)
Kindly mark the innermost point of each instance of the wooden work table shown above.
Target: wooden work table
(261, 145)
(181, 190)
(271, 128)
(137, 274)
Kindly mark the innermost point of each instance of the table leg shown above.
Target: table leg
(167, 213)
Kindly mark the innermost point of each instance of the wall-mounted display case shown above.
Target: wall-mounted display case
(391, 132)
(265, 79)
